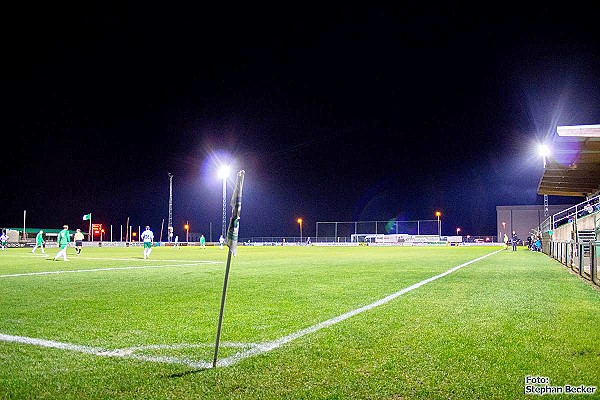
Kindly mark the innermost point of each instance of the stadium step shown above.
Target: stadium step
(585, 237)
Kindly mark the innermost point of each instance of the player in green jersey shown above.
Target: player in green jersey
(63, 240)
(39, 242)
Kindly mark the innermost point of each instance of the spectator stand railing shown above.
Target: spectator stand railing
(574, 256)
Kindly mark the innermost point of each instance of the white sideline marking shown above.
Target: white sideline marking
(190, 264)
(253, 348)
(76, 257)
(140, 259)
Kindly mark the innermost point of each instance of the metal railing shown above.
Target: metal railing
(580, 257)
(571, 214)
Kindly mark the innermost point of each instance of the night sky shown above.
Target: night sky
(335, 113)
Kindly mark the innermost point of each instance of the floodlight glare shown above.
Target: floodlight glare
(224, 172)
(544, 150)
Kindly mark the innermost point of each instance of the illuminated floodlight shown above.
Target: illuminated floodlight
(224, 172)
(544, 150)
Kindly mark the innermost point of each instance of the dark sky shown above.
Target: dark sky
(335, 113)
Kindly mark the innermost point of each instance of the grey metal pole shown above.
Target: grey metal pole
(224, 202)
(170, 222)
(222, 309)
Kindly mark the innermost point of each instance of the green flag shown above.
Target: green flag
(87, 217)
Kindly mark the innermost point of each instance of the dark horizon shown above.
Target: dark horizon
(336, 114)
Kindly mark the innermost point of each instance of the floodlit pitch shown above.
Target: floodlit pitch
(362, 321)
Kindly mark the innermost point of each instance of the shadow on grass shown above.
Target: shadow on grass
(190, 372)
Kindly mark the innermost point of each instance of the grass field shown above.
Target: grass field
(300, 323)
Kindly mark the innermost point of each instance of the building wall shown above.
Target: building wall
(522, 219)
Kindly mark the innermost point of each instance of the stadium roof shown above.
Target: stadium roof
(573, 167)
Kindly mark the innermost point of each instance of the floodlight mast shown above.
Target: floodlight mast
(223, 174)
(170, 223)
(545, 152)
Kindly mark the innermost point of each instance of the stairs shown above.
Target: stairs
(585, 237)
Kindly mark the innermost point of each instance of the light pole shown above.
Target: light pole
(170, 222)
(300, 222)
(187, 231)
(457, 230)
(504, 226)
(438, 215)
(223, 174)
(545, 152)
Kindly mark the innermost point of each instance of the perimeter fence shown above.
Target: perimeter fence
(340, 231)
(571, 236)
(580, 257)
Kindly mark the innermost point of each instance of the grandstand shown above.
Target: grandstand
(573, 169)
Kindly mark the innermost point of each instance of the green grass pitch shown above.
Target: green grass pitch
(110, 325)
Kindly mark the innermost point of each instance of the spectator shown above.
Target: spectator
(538, 244)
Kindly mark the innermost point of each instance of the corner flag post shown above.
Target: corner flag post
(232, 238)
(88, 217)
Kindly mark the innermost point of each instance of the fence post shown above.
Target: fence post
(593, 261)
(581, 256)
